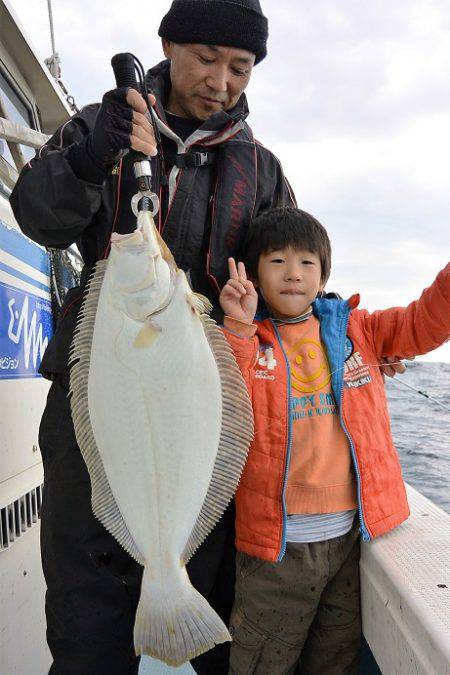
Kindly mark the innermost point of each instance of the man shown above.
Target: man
(212, 180)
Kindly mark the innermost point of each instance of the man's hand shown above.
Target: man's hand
(238, 298)
(142, 136)
(121, 124)
(392, 365)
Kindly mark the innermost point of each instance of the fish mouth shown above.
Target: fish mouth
(137, 238)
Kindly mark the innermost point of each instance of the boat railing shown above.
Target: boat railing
(405, 582)
(16, 135)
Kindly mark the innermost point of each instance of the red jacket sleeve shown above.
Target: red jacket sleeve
(245, 351)
(416, 329)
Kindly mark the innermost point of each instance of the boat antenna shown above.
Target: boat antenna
(53, 62)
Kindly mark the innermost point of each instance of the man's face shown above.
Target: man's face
(206, 79)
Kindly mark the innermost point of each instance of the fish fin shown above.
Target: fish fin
(174, 623)
(148, 333)
(192, 303)
(104, 505)
(166, 253)
(199, 303)
(235, 438)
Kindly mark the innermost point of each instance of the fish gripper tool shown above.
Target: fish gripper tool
(124, 67)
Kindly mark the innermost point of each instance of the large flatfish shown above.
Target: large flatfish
(164, 422)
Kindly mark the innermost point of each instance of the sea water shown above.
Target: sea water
(421, 428)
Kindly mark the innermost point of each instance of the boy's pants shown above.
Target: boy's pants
(300, 615)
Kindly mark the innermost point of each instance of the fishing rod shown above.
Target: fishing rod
(125, 67)
(422, 393)
(405, 384)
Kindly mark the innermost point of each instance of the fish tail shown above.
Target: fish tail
(175, 623)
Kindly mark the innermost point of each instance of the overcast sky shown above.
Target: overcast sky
(354, 98)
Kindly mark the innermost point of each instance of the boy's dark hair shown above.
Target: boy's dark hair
(281, 227)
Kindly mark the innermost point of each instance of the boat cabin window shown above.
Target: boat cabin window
(19, 112)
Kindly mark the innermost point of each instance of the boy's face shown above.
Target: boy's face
(289, 280)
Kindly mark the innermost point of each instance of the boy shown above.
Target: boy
(322, 466)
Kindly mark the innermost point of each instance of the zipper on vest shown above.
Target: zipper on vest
(289, 443)
(364, 532)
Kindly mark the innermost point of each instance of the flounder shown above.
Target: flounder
(164, 422)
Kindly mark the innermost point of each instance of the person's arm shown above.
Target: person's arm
(239, 301)
(60, 190)
(416, 329)
(245, 348)
(51, 204)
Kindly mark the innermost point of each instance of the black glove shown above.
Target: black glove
(99, 151)
(112, 129)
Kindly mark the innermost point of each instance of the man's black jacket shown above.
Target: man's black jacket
(63, 197)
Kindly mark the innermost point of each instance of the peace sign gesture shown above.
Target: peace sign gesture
(238, 298)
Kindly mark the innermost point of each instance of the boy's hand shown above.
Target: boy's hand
(238, 298)
(391, 365)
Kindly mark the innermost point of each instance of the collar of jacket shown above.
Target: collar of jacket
(330, 304)
(158, 81)
(333, 314)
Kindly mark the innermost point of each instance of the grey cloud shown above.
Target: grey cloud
(328, 68)
(383, 205)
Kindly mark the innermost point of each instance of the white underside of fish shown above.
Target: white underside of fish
(160, 407)
(163, 420)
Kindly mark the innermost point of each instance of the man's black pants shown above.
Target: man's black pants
(93, 585)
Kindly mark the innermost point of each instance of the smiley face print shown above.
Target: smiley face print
(309, 366)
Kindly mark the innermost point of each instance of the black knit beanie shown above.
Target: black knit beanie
(232, 23)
